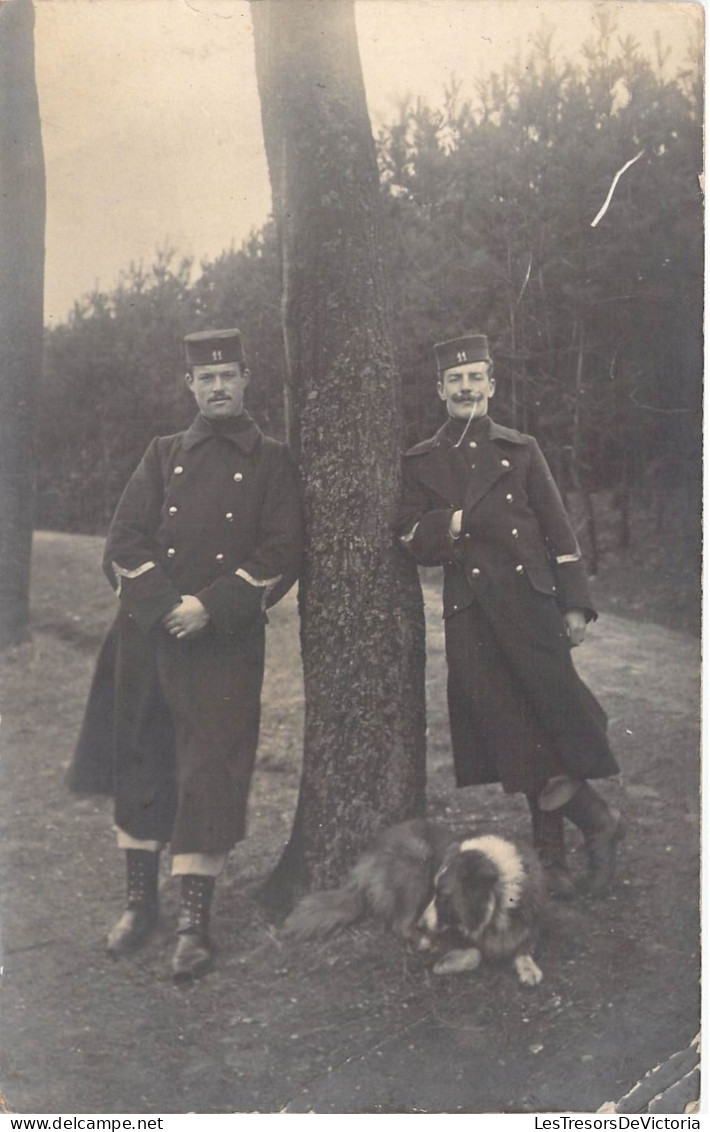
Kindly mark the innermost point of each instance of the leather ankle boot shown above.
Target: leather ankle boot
(140, 917)
(193, 954)
(549, 843)
(603, 830)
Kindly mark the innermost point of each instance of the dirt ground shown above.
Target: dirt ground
(358, 1024)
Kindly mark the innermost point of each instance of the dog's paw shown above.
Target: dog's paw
(458, 960)
(528, 970)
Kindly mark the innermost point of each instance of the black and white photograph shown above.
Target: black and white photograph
(351, 480)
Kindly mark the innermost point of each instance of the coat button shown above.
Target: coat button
(473, 466)
(509, 498)
(172, 510)
(238, 477)
(519, 568)
(467, 535)
(170, 552)
(178, 470)
(475, 572)
(514, 532)
(229, 517)
(505, 463)
(472, 444)
(219, 557)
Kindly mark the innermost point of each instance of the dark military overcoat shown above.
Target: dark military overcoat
(171, 726)
(518, 710)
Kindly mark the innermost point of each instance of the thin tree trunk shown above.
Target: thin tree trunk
(22, 218)
(575, 473)
(626, 450)
(513, 340)
(360, 603)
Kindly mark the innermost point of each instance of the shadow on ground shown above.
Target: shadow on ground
(358, 1024)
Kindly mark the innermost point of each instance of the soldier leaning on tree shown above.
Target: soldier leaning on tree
(480, 500)
(206, 536)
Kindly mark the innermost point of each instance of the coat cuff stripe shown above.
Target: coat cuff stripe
(268, 583)
(120, 572)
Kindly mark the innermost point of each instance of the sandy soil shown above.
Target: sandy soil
(357, 1024)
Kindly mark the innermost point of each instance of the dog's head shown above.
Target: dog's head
(464, 897)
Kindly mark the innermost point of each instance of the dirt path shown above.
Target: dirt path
(356, 1024)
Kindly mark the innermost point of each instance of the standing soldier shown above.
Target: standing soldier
(207, 535)
(479, 499)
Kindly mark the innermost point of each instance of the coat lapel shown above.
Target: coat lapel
(443, 469)
(491, 465)
(492, 462)
(447, 471)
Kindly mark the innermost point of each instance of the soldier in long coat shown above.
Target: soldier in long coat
(479, 500)
(206, 535)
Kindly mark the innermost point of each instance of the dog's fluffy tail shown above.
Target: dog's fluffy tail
(320, 914)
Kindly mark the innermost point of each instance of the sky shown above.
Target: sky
(150, 111)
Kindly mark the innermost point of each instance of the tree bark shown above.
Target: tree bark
(362, 631)
(22, 219)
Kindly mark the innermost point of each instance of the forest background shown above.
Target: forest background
(596, 330)
(597, 333)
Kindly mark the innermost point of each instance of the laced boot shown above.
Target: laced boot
(549, 843)
(140, 917)
(603, 830)
(193, 954)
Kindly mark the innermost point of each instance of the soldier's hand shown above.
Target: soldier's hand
(187, 618)
(576, 624)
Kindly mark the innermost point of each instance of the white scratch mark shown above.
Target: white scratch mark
(525, 281)
(614, 183)
(201, 11)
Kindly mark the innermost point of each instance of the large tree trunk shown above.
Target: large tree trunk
(361, 614)
(22, 216)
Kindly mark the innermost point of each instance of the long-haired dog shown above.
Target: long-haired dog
(420, 882)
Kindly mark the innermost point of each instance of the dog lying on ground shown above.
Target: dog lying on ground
(420, 882)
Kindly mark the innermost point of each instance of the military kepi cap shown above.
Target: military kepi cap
(212, 347)
(461, 351)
